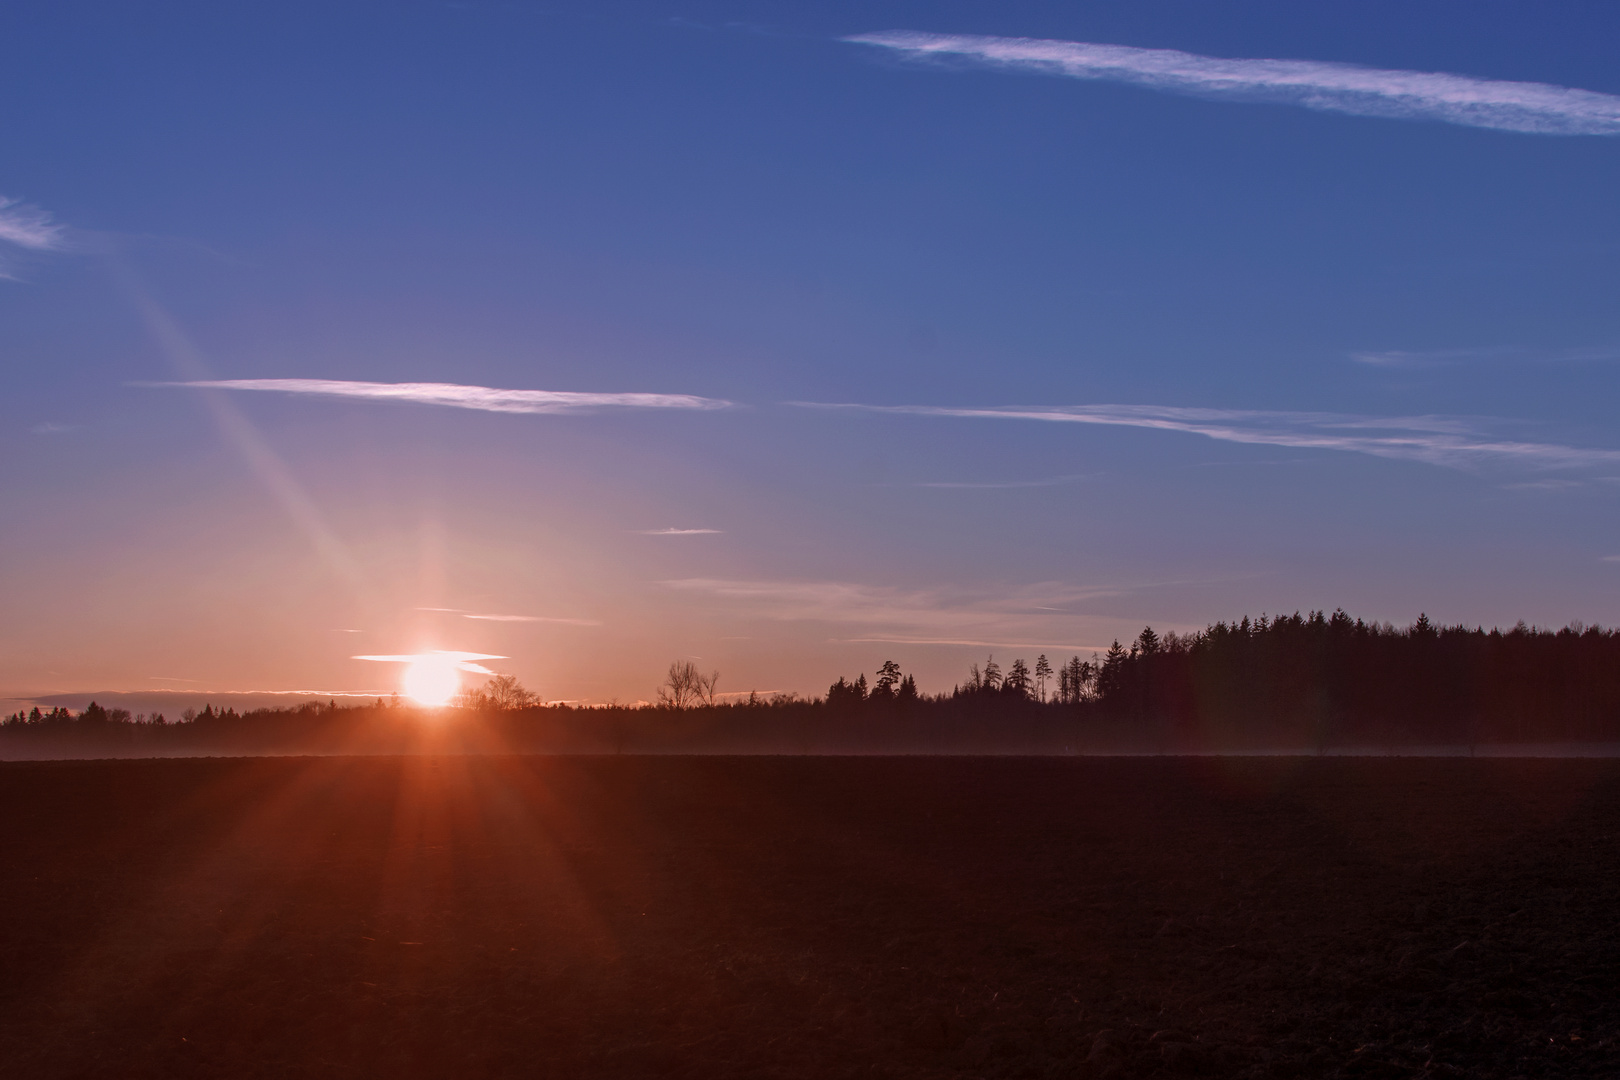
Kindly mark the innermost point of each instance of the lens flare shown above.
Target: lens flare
(431, 681)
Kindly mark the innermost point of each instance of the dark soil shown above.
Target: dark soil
(825, 917)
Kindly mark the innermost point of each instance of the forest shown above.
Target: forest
(1304, 683)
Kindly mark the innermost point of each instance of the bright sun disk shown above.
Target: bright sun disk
(432, 681)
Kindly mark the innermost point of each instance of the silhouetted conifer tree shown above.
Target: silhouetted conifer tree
(888, 678)
(1017, 682)
(907, 691)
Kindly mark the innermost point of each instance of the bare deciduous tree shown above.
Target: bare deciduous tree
(505, 692)
(502, 692)
(685, 687)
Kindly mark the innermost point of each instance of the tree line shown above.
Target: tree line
(1321, 679)
(1314, 680)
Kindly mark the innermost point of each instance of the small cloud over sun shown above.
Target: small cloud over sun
(482, 617)
(432, 678)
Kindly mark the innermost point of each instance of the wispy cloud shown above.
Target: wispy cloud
(28, 226)
(973, 485)
(1533, 108)
(1455, 442)
(1433, 358)
(443, 654)
(245, 693)
(679, 532)
(463, 661)
(465, 614)
(1042, 615)
(48, 427)
(457, 396)
(973, 643)
(533, 619)
(1403, 358)
(1551, 484)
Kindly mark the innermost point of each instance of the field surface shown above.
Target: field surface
(809, 917)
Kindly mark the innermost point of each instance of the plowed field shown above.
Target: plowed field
(814, 917)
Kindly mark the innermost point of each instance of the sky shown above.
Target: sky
(790, 338)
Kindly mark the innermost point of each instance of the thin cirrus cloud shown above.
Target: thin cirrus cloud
(1403, 358)
(481, 617)
(1043, 615)
(1434, 358)
(464, 661)
(28, 227)
(1528, 107)
(679, 532)
(1453, 442)
(457, 396)
(988, 485)
(533, 619)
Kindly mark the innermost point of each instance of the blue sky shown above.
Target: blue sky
(1124, 346)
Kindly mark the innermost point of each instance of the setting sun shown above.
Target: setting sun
(432, 678)
(431, 681)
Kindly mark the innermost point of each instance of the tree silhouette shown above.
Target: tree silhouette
(844, 693)
(503, 692)
(1017, 682)
(1074, 681)
(1110, 676)
(907, 693)
(1043, 672)
(685, 687)
(887, 679)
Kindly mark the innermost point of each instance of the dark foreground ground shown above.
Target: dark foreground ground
(815, 917)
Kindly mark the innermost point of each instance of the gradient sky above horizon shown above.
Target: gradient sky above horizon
(828, 350)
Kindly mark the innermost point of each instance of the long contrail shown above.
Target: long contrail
(455, 395)
(1534, 108)
(1436, 440)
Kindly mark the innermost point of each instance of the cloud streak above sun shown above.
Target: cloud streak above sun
(458, 396)
(1527, 107)
(461, 661)
(511, 618)
(1453, 442)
